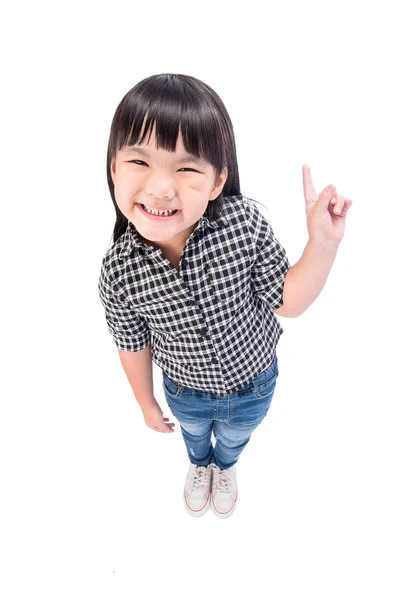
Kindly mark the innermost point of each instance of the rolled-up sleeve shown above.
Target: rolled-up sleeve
(271, 264)
(129, 330)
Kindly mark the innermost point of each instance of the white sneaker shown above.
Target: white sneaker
(197, 490)
(224, 492)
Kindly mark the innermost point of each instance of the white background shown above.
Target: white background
(91, 497)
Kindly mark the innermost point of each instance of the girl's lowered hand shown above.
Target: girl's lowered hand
(154, 419)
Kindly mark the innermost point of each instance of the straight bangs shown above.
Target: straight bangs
(171, 104)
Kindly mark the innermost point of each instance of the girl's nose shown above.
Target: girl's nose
(160, 194)
(160, 187)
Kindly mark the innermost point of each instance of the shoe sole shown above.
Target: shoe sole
(227, 514)
(196, 512)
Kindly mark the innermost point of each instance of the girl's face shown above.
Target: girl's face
(164, 180)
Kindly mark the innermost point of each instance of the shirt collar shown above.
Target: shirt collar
(133, 240)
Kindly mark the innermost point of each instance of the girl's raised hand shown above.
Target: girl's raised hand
(326, 212)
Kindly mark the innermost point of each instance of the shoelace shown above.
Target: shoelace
(199, 476)
(224, 479)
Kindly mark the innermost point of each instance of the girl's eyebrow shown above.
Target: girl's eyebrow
(187, 158)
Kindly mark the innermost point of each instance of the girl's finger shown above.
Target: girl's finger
(347, 204)
(338, 202)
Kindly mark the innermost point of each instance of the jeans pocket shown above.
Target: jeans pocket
(171, 387)
(264, 384)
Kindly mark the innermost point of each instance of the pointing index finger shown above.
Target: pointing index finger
(308, 186)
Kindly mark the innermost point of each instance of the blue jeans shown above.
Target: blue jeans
(231, 418)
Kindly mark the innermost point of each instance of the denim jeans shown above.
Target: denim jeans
(231, 418)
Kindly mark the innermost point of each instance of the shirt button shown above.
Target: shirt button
(184, 262)
(214, 361)
(203, 332)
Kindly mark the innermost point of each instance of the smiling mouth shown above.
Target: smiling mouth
(159, 212)
(158, 216)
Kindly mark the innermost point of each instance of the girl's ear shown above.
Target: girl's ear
(219, 184)
(112, 169)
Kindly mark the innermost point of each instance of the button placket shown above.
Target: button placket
(203, 333)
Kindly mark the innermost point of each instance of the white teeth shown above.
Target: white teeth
(157, 212)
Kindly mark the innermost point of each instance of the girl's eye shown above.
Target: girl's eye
(141, 161)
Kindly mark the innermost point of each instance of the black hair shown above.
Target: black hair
(176, 103)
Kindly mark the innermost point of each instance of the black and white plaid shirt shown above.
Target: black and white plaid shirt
(211, 326)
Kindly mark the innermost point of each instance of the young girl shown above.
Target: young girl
(195, 276)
